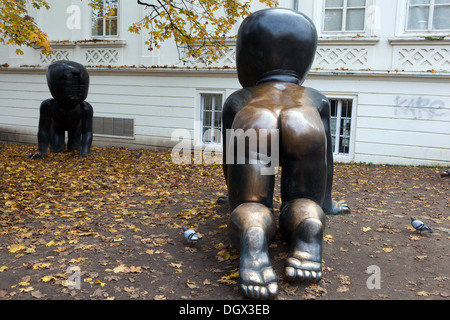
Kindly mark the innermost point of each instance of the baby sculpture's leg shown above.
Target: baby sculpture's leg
(74, 138)
(250, 193)
(302, 222)
(57, 139)
(303, 185)
(253, 225)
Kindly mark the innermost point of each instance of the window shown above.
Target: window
(211, 113)
(341, 125)
(428, 15)
(344, 15)
(104, 20)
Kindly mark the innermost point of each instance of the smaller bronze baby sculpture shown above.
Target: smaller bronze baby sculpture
(68, 82)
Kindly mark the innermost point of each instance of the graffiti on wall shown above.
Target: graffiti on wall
(421, 107)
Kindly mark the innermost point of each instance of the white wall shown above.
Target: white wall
(401, 113)
(159, 101)
(398, 119)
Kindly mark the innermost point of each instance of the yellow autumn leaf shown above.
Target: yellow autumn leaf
(159, 242)
(229, 279)
(121, 268)
(342, 289)
(223, 226)
(387, 249)
(175, 265)
(223, 255)
(89, 280)
(51, 243)
(48, 278)
(15, 248)
(134, 269)
(191, 284)
(159, 297)
(40, 265)
(366, 229)
(100, 283)
(3, 268)
(72, 261)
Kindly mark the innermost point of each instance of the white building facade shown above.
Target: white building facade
(383, 64)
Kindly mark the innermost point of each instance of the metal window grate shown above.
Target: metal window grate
(113, 126)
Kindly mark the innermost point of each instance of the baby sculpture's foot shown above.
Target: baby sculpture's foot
(258, 280)
(305, 259)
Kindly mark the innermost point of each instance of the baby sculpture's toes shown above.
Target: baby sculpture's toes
(297, 270)
(259, 284)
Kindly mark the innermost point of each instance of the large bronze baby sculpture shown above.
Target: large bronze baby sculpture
(68, 82)
(275, 50)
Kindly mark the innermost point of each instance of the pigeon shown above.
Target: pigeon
(190, 234)
(419, 225)
(446, 173)
(138, 155)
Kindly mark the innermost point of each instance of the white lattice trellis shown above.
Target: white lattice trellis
(228, 58)
(421, 58)
(55, 56)
(102, 56)
(336, 57)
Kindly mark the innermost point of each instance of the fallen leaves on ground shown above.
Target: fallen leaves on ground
(116, 219)
(97, 212)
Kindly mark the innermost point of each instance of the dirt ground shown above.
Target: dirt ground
(113, 221)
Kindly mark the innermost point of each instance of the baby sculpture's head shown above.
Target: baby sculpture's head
(68, 82)
(275, 45)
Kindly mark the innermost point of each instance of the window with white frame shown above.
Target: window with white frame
(428, 15)
(341, 125)
(211, 113)
(105, 19)
(344, 15)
